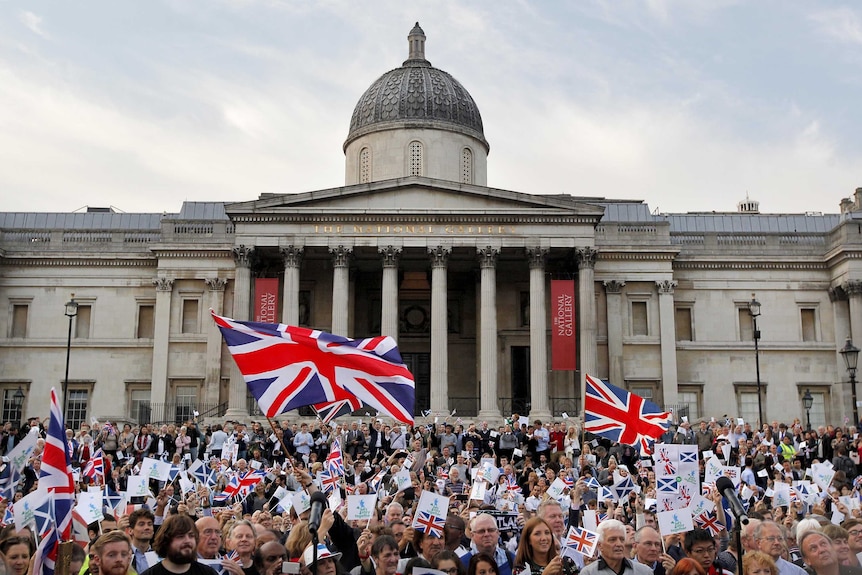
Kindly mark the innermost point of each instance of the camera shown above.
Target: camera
(569, 567)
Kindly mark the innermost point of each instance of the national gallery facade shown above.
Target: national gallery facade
(416, 245)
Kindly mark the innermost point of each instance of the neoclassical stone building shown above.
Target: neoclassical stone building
(417, 246)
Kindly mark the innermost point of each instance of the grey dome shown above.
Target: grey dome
(416, 95)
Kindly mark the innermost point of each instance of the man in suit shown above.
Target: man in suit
(355, 440)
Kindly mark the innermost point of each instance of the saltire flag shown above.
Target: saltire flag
(55, 477)
(621, 416)
(377, 480)
(667, 485)
(95, 466)
(592, 482)
(328, 481)
(334, 461)
(687, 456)
(9, 515)
(624, 487)
(111, 499)
(9, 479)
(287, 367)
(709, 521)
(582, 540)
(43, 518)
(334, 409)
(174, 473)
(199, 471)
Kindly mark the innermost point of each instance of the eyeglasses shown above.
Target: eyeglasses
(855, 532)
(703, 550)
(772, 538)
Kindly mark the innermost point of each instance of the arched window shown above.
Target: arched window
(364, 165)
(467, 166)
(415, 158)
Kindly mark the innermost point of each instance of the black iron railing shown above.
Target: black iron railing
(174, 412)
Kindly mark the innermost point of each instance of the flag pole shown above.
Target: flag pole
(280, 440)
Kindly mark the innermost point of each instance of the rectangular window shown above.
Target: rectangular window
(190, 316)
(747, 405)
(746, 324)
(187, 399)
(689, 401)
(82, 321)
(640, 326)
(818, 409)
(809, 324)
(683, 324)
(20, 313)
(139, 405)
(146, 321)
(76, 407)
(11, 410)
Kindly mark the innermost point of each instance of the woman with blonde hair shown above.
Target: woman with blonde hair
(758, 563)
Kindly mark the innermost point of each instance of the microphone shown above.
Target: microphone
(726, 488)
(318, 504)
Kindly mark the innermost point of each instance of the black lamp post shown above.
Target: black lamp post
(850, 353)
(807, 402)
(18, 402)
(71, 312)
(754, 311)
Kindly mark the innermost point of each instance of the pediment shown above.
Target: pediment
(417, 195)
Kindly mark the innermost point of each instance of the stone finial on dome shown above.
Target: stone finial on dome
(416, 44)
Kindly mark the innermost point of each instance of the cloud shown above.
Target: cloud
(32, 22)
(842, 25)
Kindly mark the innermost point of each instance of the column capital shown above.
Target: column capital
(666, 286)
(537, 257)
(439, 256)
(216, 284)
(242, 256)
(852, 288)
(163, 284)
(837, 293)
(614, 286)
(390, 255)
(292, 256)
(341, 256)
(586, 257)
(487, 256)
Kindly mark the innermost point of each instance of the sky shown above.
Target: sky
(687, 105)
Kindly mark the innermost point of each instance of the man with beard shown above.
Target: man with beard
(177, 542)
(111, 553)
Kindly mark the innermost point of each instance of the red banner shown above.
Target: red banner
(266, 300)
(563, 326)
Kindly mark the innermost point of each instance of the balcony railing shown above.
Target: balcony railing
(176, 413)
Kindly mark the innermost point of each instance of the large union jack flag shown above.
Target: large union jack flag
(329, 411)
(56, 478)
(287, 367)
(621, 416)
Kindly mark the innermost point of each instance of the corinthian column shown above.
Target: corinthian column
(292, 256)
(538, 337)
(488, 407)
(340, 292)
(389, 292)
(613, 290)
(212, 384)
(439, 330)
(237, 406)
(161, 338)
(668, 341)
(587, 305)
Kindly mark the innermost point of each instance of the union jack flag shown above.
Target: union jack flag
(95, 467)
(582, 541)
(442, 474)
(334, 461)
(709, 521)
(249, 480)
(334, 409)
(328, 481)
(375, 482)
(567, 479)
(287, 367)
(621, 416)
(429, 524)
(230, 490)
(56, 477)
(512, 485)
(232, 555)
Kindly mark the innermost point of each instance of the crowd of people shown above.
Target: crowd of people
(517, 524)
